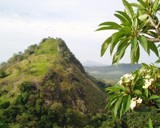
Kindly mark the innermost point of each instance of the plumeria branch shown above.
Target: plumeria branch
(152, 21)
(154, 40)
(157, 29)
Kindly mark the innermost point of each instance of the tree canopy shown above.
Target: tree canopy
(139, 26)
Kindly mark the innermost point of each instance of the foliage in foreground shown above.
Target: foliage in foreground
(136, 90)
(139, 26)
(30, 110)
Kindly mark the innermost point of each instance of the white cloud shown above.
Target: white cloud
(23, 23)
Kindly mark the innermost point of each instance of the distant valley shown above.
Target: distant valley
(112, 73)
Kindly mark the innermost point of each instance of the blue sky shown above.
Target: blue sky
(26, 22)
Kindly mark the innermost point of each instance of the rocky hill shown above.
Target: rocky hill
(47, 86)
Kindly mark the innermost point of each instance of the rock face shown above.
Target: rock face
(47, 78)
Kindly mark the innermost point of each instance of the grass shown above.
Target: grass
(32, 68)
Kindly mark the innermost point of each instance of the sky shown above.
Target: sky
(27, 22)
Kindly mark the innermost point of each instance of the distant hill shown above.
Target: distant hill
(111, 73)
(46, 86)
(90, 63)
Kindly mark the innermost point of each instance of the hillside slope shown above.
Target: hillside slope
(45, 83)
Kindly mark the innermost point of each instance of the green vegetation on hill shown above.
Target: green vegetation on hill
(46, 86)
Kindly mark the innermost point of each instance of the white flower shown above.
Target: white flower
(148, 83)
(151, 79)
(147, 76)
(139, 100)
(127, 80)
(132, 77)
(133, 103)
(145, 87)
(127, 77)
(120, 82)
(142, 70)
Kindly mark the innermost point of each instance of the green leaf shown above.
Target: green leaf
(135, 23)
(145, 28)
(125, 16)
(151, 33)
(146, 92)
(154, 97)
(138, 92)
(106, 28)
(109, 25)
(129, 8)
(127, 102)
(137, 56)
(142, 3)
(121, 18)
(117, 106)
(143, 17)
(122, 43)
(126, 30)
(145, 65)
(150, 125)
(158, 61)
(134, 43)
(132, 55)
(154, 48)
(115, 58)
(133, 50)
(158, 7)
(139, 6)
(155, 6)
(105, 45)
(120, 51)
(115, 88)
(115, 39)
(143, 24)
(144, 43)
(121, 109)
(111, 100)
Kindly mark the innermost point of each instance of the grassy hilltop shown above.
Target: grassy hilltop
(41, 86)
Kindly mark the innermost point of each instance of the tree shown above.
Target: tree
(2, 74)
(139, 26)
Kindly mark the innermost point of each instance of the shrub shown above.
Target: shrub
(2, 74)
(3, 125)
(3, 92)
(27, 86)
(57, 107)
(5, 105)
